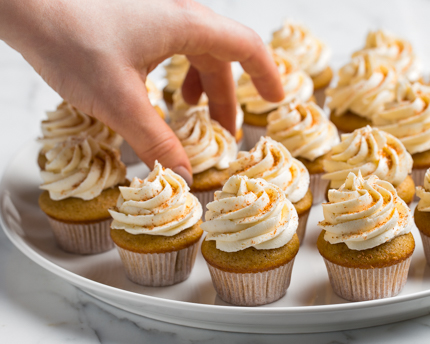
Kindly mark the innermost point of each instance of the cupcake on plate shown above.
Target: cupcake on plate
(422, 214)
(176, 71)
(308, 135)
(156, 228)
(210, 149)
(365, 85)
(373, 152)
(297, 85)
(68, 121)
(312, 55)
(80, 179)
(271, 161)
(395, 51)
(408, 119)
(251, 242)
(366, 241)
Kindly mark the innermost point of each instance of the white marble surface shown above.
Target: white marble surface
(38, 307)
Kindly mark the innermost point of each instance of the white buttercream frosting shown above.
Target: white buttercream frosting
(271, 161)
(423, 192)
(304, 48)
(81, 167)
(205, 141)
(371, 151)
(68, 121)
(176, 71)
(296, 83)
(365, 213)
(303, 129)
(250, 213)
(160, 204)
(365, 85)
(154, 94)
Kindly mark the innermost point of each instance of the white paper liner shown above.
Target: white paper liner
(88, 238)
(252, 289)
(159, 269)
(128, 156)
(418, 175)
(204, 198)
(301, 228)
(318, 188)
(252, 134)
(426, 244)
(356, 284)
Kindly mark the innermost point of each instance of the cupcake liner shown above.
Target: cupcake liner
(128, 156)
(418, 175)
(252, 289)
(301, 229)
(356, 284)
(318, 188)
(158, 269)
(204, 198)
(83, 238)
(426, 244)
(252, 134)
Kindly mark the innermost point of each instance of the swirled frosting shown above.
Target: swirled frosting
(395, 51)
(408, 116)
(81, 167)
(154, 94)
(271, 161)
(370, 151)
(305, 49)
(365, 213)
(303, 129)
(365, 85)
(296, 83)
(205, 141)
(250, 213)
(176, 71)
(160, 204)
(424, 194)
(68, 121)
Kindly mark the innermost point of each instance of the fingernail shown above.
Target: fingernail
(183, 172)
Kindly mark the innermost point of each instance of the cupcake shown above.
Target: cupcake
(311, 55)
(271, 161)
(80, 179)
(156, 228)
(251, 242)
(366, 241)
(176, 71)
(308, 135)
(210, 149)
(371, 151)
(365, 85)
(422, 214)
(408, 119)
(297, 86)
(395, 51)
(68, 121)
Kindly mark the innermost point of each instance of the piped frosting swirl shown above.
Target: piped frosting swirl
(176, 71)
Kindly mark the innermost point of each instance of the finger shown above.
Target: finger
(192, 87)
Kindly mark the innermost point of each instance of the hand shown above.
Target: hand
(96, 54)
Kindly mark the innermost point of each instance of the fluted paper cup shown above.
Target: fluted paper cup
(86, 238)
(418, 175)
(426, 244)
(356, 284)
(204, 198)
(301, 228)
(159, 269)
(318, 187)
(128, 155)
(252, 134)
(252, 289)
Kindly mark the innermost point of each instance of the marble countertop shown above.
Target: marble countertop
(39, 307)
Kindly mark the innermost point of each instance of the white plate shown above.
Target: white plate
(309, 306)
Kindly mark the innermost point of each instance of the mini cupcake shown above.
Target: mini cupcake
(366, 241)
(271, 161)
(81, 178)
(210, 149)
(422, 214)
(297, 85)
(311, 55)
(156, 228)
(68, 121)
(308, 135)
(365, 85)
(408, 119)
(395, 51)
(251, 242)
(176, 71)
(371, 151)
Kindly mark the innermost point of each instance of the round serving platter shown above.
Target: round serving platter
(309, 306)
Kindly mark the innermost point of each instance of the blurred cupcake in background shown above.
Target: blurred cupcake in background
(176, 71)
(422, 213)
